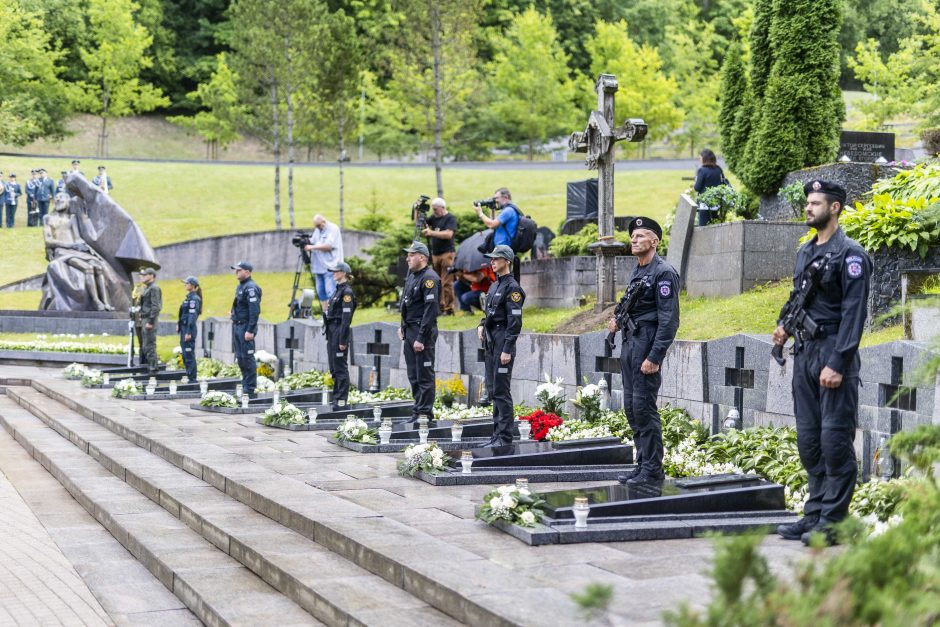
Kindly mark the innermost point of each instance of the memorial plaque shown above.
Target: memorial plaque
(866, 147)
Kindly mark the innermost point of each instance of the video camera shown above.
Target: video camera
(422, 205)
(419, 211)
(301, 239)
(489, 203)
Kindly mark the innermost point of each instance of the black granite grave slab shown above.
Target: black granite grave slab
(398, 447)
(535, 454)
(319, 425)
(535, 474)
(124, 371)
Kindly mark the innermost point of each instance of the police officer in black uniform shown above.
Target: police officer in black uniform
(336, 319)
(655, 314)
(246, 308)
(186, 324)
(498, 331)
(826, 365)
(418, 330)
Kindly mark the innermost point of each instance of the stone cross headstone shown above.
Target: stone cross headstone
(740, 379)
(377, 349)
(291, 343)
(897, 397)
(599, 141)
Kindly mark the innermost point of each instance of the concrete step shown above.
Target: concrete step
(213, 585)
(328, 586)
(455, 581)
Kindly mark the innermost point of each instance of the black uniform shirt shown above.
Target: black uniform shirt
(504, 310)
(658, 304)
(841, 300)
(190, 309)
(419, 302)
(246, 308)
(339, 312)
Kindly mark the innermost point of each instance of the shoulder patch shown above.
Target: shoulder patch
(854, 268)
(347, 298)
(515, 297)
(429, 283)
(665, 289)
(251, 291)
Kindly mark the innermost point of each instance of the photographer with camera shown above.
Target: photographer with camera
(440, 229)
(505, 224)
(326, 251)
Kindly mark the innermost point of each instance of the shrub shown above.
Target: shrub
(931, 139)
(723, 198)
(795, 197)
(893, 223)
(577, 244)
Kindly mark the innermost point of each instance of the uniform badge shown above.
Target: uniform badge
(347, 298)
(639, 221)
(429, 283)
(515, 297)
(665, 289)
(855, 269)
(817, 186)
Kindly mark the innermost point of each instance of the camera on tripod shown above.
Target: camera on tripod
(301, 239)
(422, 205)
(489, 203)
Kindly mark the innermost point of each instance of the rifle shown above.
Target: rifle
(622, 311)
(793, 317)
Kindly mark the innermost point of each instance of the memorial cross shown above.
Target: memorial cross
(291, 343)
(378, 349)
(740, 379)
(599, 141)
(897, 397)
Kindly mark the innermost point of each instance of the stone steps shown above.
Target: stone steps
(328, 586)
(455, 581)
(213, 585)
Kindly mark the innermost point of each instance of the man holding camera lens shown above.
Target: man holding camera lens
(440, 230)
(326, 251)
(505, 224)
(418, 330)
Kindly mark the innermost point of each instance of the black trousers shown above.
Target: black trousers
(245, 358)
(826, 420)
(148, 348)
(420, 367)
(639, 401)
(498, 383)
(339, 366)
(189, 356)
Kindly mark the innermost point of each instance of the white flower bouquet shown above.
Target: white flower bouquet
(551, 395)
(356, 430)
(588, 400)
(459, 412)
(267, 364)
(92, 377)
(428, 458)
(74, 370)
(358, 397)
(126, 387)
(512, 504)
(284, 413)
(215, 398)
(578, 430)
(264, 384)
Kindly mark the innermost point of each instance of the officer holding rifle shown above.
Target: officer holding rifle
(648, 316)
(825, 316)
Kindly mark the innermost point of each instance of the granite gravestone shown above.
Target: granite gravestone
(866, 147)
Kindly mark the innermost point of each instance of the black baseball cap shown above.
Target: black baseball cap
(243, 265)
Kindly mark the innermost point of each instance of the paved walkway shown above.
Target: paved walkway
(38, 585)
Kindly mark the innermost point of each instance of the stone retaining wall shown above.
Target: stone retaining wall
(563, 282)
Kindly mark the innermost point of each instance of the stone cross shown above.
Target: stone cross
(599, 142)
(378, 349)
(897, 397)
(739, 378)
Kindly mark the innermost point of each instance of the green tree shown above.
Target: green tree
(384, 129)
(645, 90)
(695, 69)
(800, 116)
(218, 123)
(533, 91)
(888, 81)
(114, 58)
(34, 101)
(733, 92)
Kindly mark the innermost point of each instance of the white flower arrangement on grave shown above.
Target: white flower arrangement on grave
(461, 413)
(514, 505)
(74, 370)
(429, 458)
(357, 397)
(284, 413)
(551, 395)
(264, 384)
(92, 377)
(588, 401)
(126, 387)
(578, 430)
(216, 398)
(356, 430)
(63, 347)
(267, 363)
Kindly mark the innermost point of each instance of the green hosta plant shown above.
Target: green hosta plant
(723, 198)
(912, 224)
(309, 379)
(356, 430)
(518, 506)
(215, 398)
(284, 413)
(125, 388)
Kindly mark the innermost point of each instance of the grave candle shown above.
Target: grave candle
(203, 387)
(150, 389)
(106, 378)
(377, 413)
(172, 388)
(312, 417)
(275, 397)
(385, 431)
(184, 380)
(238, 390)
(525, 428)
(152, 381)
(244, 401)
(456, 432)
(522, 484)
(581, 510)
(466, 461)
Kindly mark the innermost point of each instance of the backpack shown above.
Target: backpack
(526, 231)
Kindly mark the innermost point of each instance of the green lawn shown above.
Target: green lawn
(174, 202)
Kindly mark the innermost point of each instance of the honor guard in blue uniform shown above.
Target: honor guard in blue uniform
(648, 317)
(246, 308)
(31, 211)
(498, 331)
(336, 319)
(45, 190)
(187, 326)
(829, 303)
(11, 197)
(418, 330)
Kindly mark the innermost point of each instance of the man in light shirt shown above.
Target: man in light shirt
(326, 251)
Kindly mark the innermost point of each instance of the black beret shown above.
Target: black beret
(645, 223)
(833, 190)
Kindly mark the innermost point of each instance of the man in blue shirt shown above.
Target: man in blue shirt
(11, 195)
(504, 225)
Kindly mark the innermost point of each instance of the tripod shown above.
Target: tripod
(301, 308)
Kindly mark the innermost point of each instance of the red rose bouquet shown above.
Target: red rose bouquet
(541, 422)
